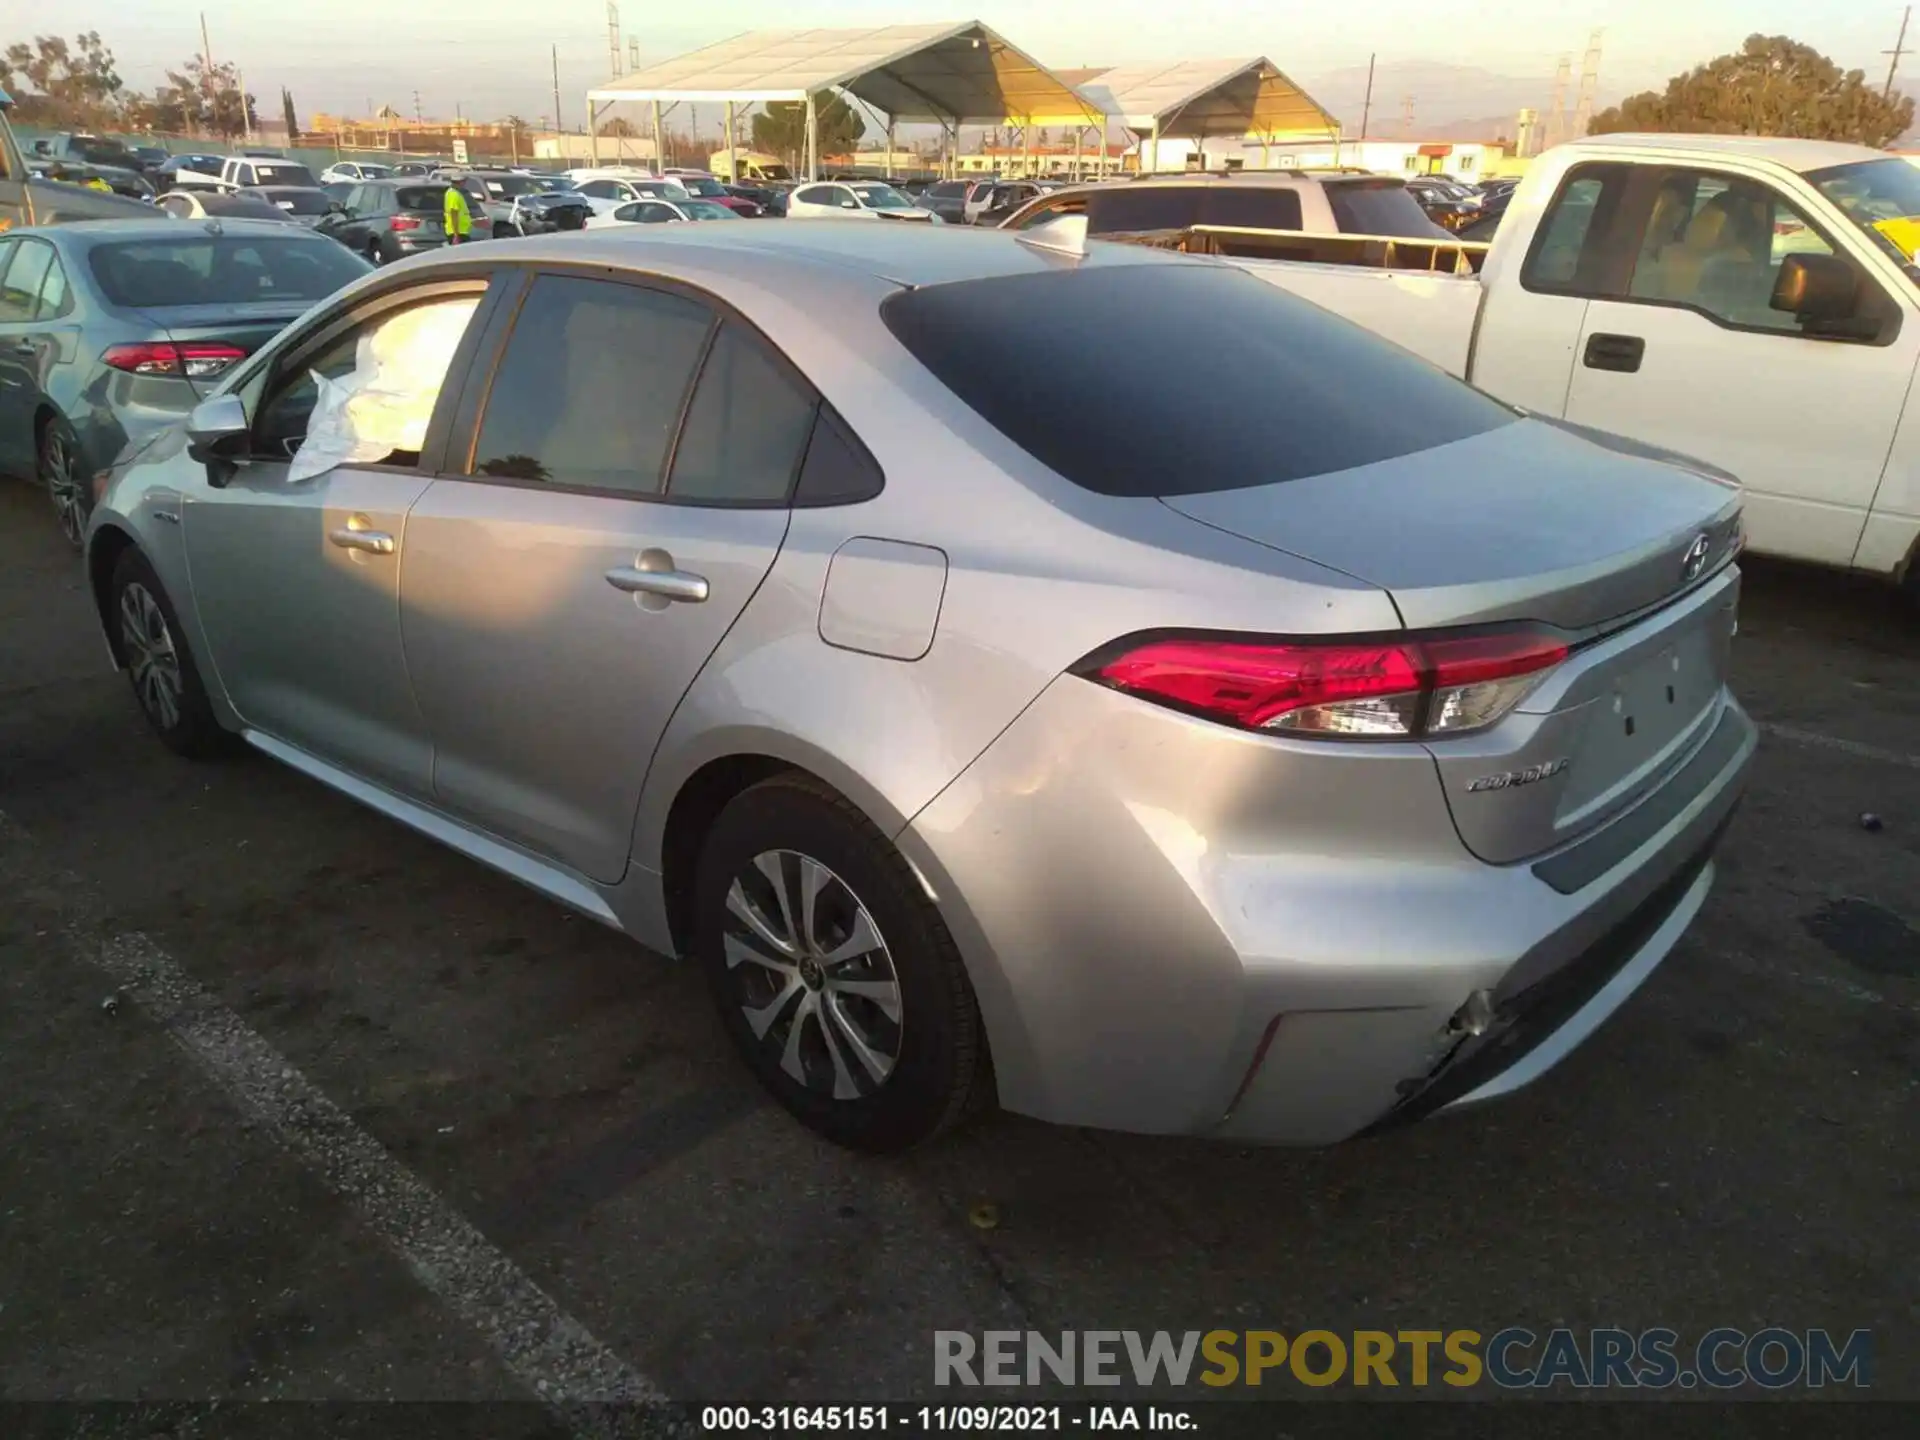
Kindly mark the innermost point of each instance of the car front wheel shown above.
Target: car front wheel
(833, 971)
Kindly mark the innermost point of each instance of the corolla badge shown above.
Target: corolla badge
(1507, 779)
(1695, 560)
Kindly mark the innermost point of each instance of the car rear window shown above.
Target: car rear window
(1386, 209)
(279, 172)
(423, 197)
(1179, 379)
(297, 202)
(222, 269)
(1175, 207)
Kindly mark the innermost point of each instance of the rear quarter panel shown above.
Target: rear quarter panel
(1431, 315)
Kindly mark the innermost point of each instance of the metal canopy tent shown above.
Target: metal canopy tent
(1204, 99)
(950, 75)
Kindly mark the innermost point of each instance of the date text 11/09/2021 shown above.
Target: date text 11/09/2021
(927, 1419)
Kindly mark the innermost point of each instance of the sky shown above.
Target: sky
(492, 57)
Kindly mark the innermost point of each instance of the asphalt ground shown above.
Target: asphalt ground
(296, 1106)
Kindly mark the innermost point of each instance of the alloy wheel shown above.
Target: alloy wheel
(64, 485)
(152, 660)
(812, 975)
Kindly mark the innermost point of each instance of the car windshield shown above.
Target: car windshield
(882, 197)
(512, 185)
(1383, 208)
(241, 207)
(1882, 197)
(706, 210)
(101, 152)
(775, 172)
(704, 187)
(422, 197)
(222, 269)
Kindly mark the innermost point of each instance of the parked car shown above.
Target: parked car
(863, 200)
(661, 212)
(350, 171)
(411, 170)
(302, 204)
(607, 193)
(129, 184)
(148, 159)
(1333, 203)
(1007, 196)
(111, 330)
(244, 172)
(219, 204)
(705, 187)
(1751, 302)
(1361, 762)
(387, 220)
(169, 170)
(548, 212)
(491, 195)
(947, 199)
(1447, 205)
(979, 193)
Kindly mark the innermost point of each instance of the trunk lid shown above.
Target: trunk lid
(1626, 556)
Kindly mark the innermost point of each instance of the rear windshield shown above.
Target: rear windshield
(282, 172)
(240, 207)
(223, 269)
(1179, 379)
(298, 202)
(1389, 209)
(1175, 207)
(423, 197)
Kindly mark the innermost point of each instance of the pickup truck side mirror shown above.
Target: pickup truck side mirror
(1822, 289)
(217, 435)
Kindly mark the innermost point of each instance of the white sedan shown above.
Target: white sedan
(661, 212)
(608, 193)
(351, 171)
(855, 200)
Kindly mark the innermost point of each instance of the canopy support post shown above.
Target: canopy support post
(1156, 144)
(659, 148)
(1078, 133)
(889, 162)
(733, 155)
(593, 133)
(813, 139)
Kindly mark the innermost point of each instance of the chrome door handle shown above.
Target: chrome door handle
(352, 536)
(669, 584)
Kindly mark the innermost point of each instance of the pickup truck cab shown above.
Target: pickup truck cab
(244, 172)
(1752, 303)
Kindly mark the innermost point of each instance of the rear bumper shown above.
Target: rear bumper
(1175, 928)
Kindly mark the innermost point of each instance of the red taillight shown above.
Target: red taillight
(193, 360)
(403, 222)
(1383, 689)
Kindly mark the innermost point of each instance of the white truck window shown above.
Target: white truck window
(1715, 243)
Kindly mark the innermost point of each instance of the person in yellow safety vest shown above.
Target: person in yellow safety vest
(94, 182)
(459, 218)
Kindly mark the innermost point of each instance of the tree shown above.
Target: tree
(56, 83)
(1771, 86)
(618, 129)
(781, 129)
(290, 115)
(205, 101)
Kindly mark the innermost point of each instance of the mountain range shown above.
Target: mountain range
(1448, 102)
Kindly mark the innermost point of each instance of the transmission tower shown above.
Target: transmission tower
(1557, 112)
(1406, 116)
(1589, 84)
(613, 40)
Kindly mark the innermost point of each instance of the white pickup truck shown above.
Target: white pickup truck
(1752, 303)
(239, 172)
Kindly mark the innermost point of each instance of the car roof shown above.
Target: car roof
(1800, 155)
(902, 254)
(84, 234)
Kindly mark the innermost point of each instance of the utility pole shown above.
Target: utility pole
(1366, 110)
(1406, 116)
(416, 108)
(1899, 49)
(558, 127)
(206, 69)
(1589, 86)
(246, 111)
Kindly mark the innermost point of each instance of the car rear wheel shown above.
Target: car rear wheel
(67, 488)
(166, 683)
(833, 971)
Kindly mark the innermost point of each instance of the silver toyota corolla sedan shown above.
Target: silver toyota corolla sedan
(1106, 684)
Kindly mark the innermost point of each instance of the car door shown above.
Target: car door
(295, 559)
(24, 266)
(1684, 350)
(604, 196)
(560, 599)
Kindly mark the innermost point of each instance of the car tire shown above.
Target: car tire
(152, 646)
(68, 487)
(877, 1047)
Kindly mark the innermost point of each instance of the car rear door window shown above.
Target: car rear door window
(53, 292)
(20, 289)
(1572, 251)
(1259, 207)
(423, 197)
(590, 389)
(747, 428)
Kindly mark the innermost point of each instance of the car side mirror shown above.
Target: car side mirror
(1819, 289)
(217, 435)
(849, 205)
